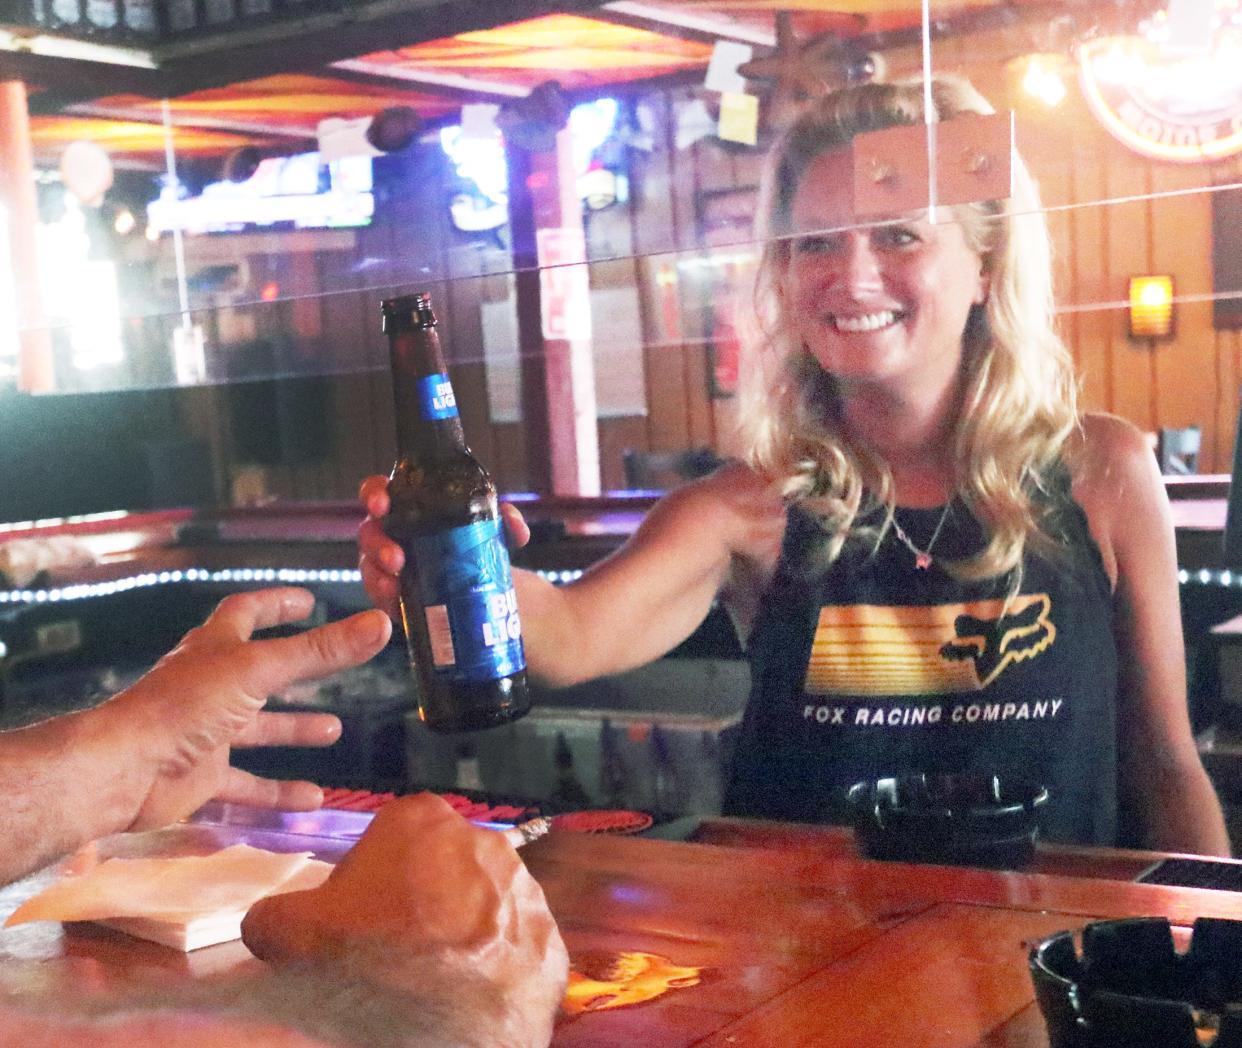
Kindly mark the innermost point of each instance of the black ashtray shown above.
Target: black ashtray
(1130, 987)
(967, 819)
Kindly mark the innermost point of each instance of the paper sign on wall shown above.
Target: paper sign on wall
(339, 138)
(739, 118)
(189, 354)
(722, 74)
(694, 122)
(564, 284)
(501, 354)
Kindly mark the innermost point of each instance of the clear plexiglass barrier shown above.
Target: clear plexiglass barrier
(214, 261)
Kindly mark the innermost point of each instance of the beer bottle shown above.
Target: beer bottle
(458, 608)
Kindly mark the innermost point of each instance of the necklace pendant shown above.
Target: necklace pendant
(922, 560)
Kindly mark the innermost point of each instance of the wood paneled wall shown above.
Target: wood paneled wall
(1114, 214)
(336, 331)
(1193, 379)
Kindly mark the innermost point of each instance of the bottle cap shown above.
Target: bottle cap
(408, 311)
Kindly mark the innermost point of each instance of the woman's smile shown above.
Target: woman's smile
(854, 323)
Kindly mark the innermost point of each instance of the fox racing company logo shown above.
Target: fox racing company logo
(994, 643)
(880, 650)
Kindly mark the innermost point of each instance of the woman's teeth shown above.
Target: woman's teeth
(865, 321)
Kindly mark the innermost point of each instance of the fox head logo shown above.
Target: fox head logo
(994, 643)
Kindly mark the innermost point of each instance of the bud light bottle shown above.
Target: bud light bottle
(458, 608)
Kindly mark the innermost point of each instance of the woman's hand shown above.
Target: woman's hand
(426, 903)
(660, 585)
(205, 697)
(380, 559)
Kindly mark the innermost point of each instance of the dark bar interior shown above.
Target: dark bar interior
(203, 205)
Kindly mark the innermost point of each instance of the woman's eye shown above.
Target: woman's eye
(817, 244)
(896, 236)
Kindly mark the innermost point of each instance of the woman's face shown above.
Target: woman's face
(882, 303)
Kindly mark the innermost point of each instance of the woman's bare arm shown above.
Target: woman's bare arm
(1162, 778)
(636, 604)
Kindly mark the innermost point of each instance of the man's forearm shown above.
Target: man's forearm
(339, 1005)
(66, 781)
(333, 1005)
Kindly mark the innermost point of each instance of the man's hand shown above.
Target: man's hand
(380, 559)
(429, 934)
(205, 697)
(426, 903)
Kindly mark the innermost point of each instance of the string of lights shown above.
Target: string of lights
(284, 576)
(1211, 577)
(1215, 577)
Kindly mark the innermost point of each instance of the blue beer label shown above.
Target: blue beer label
(435, 397)
(466, 586)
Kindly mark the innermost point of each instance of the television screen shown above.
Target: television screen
(288, 192)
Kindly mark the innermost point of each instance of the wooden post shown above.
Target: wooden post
(17, 194)
(554, 310)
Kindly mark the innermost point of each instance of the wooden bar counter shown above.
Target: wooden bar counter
(756, 934)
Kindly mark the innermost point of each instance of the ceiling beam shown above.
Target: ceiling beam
(427, 81)
(295, 45)
(194, 122)
(265, 132)
(700, 26)
(73, 79)
(333, 40)
(973, 20)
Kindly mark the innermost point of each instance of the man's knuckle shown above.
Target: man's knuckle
(233, 602)
(323, 644)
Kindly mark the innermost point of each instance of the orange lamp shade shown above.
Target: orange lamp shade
(1151, 307)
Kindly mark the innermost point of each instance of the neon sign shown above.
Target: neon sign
(1166, 103)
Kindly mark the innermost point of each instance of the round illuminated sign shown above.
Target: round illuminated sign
(1183, 107)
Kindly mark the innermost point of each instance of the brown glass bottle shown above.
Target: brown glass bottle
(458, 607)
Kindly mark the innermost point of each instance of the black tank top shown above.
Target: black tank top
(873, 667)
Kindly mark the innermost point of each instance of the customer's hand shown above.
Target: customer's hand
(427, 903)
(380, 559)
(205, 697)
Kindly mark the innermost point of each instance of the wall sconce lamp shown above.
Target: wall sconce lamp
(1151, 307)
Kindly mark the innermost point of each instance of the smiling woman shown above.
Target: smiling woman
(907, 388)
(923, 524)
(970, 298)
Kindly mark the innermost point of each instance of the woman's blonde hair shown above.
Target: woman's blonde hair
(1018, 405)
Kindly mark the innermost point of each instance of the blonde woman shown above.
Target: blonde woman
(934, 562)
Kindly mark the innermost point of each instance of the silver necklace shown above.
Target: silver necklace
(922, 557)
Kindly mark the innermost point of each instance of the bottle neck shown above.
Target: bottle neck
(428, 425)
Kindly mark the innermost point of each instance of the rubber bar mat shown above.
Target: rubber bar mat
(1195, 873)
(365, 800)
